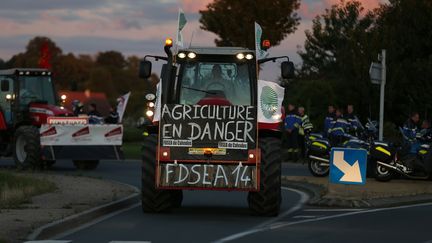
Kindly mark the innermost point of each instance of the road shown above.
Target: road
(223, 216)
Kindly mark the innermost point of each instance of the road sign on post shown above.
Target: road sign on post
(348, 166)
(377, 74)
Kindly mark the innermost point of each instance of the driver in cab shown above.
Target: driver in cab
(218, 83)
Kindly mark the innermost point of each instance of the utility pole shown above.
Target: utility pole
(383, 83)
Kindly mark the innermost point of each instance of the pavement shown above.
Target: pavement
(371, 195)
(223, 216)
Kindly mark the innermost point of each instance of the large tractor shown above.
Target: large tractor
(206, 132)
(37, 130)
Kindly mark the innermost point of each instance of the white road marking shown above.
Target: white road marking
(129, 241)
(96, 221)
(303, 199)
(48, 241)
(305, 216)
(333, 210)
(282, 225)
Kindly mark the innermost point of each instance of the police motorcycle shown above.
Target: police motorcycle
(318, 147)
(412, 159)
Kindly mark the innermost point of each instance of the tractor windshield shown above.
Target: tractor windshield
(229, 81)
(36, 89)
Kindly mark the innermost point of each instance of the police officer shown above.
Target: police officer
(352, 119)
(337, 132)
(292, 124)
(304, 129)
(410, 127)
(328, 120)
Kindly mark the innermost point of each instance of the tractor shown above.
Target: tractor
(34, 126)
(206, 133)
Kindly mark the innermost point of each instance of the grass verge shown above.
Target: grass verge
(17, 189)
(132, 150)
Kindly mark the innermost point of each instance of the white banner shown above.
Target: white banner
(69, 135)
(259, 52)
(157, 111)
(270, 97)
(121, 105)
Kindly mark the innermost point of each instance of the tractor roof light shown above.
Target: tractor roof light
(240, 56)
(181, 55)
(149, 113)
(191, 55)
(249, 56)
(168, 42)
(266, 44)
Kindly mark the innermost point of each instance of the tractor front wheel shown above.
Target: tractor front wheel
(26, 148)
(267, 201)
(154, 200)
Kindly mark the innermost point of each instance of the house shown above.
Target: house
(87, 97)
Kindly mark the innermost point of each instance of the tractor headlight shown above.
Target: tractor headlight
(240, 56)
(149, 113)
(151, 104)
(191, 55)
(181, 55)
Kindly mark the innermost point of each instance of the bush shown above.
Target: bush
(132, 134)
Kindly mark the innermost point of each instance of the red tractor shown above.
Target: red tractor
(27, 103)
(206, 132)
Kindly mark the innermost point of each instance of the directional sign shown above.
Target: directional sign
(348, 166)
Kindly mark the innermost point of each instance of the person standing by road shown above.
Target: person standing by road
(353, 120)
(328, 120)
(304, 129)
(410, 127)
(292, 124)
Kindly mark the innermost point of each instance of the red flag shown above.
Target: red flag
(45, 58)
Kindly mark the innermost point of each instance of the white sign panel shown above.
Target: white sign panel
(69, 135)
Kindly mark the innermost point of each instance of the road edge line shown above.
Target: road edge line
(76, 220)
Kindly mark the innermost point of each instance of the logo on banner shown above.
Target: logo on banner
(51, 131)
(269, 102)
(82, 132)
(114, 132)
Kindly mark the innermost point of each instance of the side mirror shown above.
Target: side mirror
(145, 69)
(5, 85)
(287, 70)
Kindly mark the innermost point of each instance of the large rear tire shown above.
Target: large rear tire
(267, 201)
(86, 164)
(316, 169)
(154, 200)
(26, 148)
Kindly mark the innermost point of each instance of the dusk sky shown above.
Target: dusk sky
(133, 27)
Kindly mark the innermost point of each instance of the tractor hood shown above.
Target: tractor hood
(40, 112)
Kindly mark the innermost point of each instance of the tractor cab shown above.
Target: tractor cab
(215, 76)
(28, 96)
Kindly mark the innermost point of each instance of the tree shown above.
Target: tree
(233, 21)
(111, 59)
(404, 29)
(338, 49)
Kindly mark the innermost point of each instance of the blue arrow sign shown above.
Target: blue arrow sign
(348, 166)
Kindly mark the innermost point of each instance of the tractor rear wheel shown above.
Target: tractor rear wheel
(154, 200)
(86, 164)
(26, 148)
(267, 201)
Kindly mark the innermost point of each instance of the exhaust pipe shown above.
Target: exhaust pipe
(326, 161)
(401, 172)
(387, 165)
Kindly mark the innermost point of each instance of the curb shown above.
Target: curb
(73, 221)
(317, 197)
